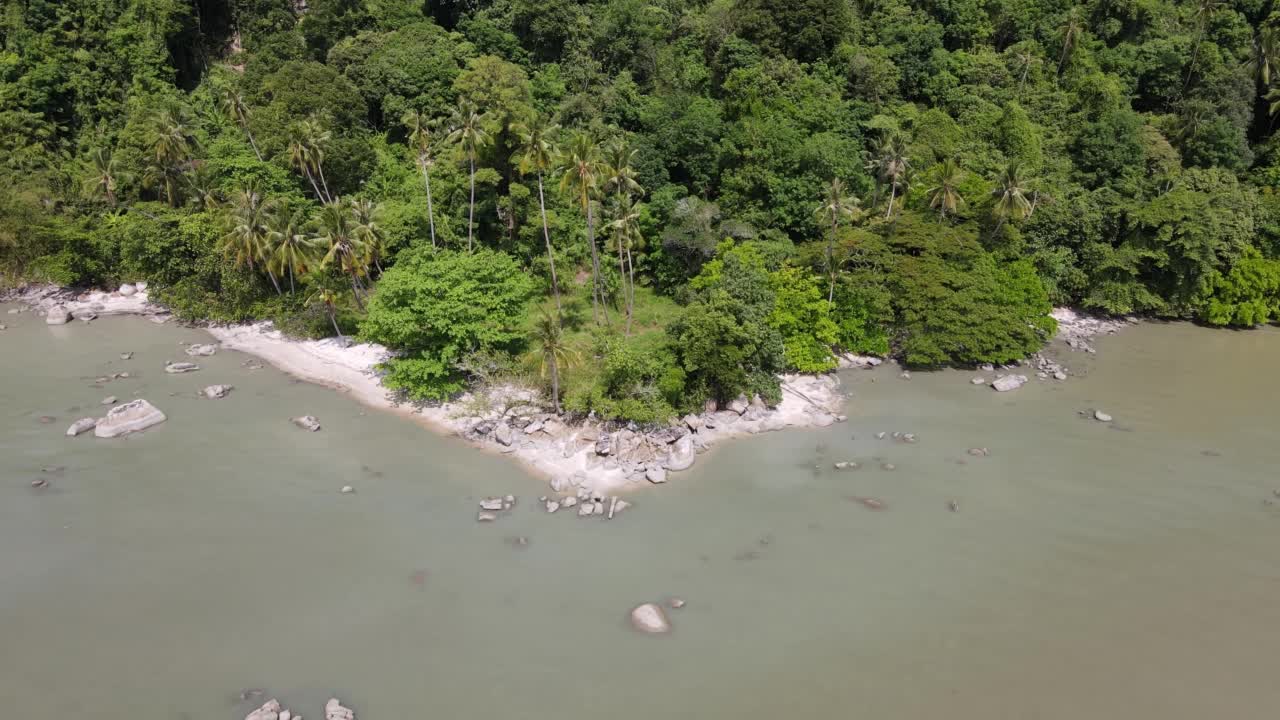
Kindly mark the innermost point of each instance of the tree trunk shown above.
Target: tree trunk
(431, 215)
(631, 300)
(323, 184)
(314, 186)
(333, 319)
(622, 278)
(252, 144)
(597, 298)
(551, 256)
(355, 291)
(291, 288)
(831, 263)
(595, 293)
(471, 216)
(893, 195)
(555, 383)
(273, 281)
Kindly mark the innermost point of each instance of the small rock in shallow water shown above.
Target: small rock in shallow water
(979, 452)
(306, 422)
(493, 504)
(39, 483)
(889, 466)
(869, 502)
(347, 490)
(486, 517)
(1006, 383)
(334, 710)
(1059, 375)
(1101, 416)
(131, 417)
(215, 392)
(201, 350)
(649, 618)
(979, 381)
(126, 356)
(676, 603)
(109, 400)
(953, 506)
(181, 367)
(46, 419)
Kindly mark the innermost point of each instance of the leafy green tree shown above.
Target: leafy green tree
(172, 145)
(1247, 295)
(307, 142)
(890, 164)
(103, 177)
(328, 299)
(804, 320)
(624, 227)
(1010, 194)
(437, 306)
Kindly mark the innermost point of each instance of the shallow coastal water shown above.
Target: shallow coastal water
(1123, 570)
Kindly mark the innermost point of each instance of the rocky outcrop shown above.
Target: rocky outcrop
(649, 618)
(131, 417)
(217, 392)
(57, 315)
(306, 422)
(81, 426)
(1005, 383)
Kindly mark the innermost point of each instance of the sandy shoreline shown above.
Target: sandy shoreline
(590, 456)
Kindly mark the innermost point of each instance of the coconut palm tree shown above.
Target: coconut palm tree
(328, 299)
(247, 239)
(307, 141)
(944, 196)
(580, 170)
(554, 353)
(1205, 10)
(537, 154)
(293, 251)
(837, 204)
(202, 186)
(624, 227)
(103, 177)
(1011, 196)
(1265, 57)
(366, 215)
(890, 164)
(336, 230)
(1070, 32)
(617, 174)
(467, 131)
(422, 138)
(171, 148)
(234, 106)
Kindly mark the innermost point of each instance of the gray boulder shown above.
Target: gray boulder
(604, 445)
(1006, 383)
(682, 454)
(649, 618)
(739, 404)
(128, 290)
(655, 475)
(217, 392)
(81, 425)
(131, 417)
(694, 422)
(306, 422)
(1101, 416)
(504, 435)
(181, 367)
(57, 315)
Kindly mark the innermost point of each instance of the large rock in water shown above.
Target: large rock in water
(334, 710)
(128, 418)
(682, 454)
(57, 315)
(216, 392)
(649, 618)
(1009, 382)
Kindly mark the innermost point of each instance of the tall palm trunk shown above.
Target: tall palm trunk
(252, 144)
(312, 179)
(631, 299)
(471, 216)
(333, 318)
(893, 195)
(273, 281)
(555, 384)
(431, 215)
(597, 292)
(355, 291)
(831, 263)
(622, 278)
(323, 184)
(551, 256)
(291, 288)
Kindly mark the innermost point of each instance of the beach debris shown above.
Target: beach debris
(979, 451)
(649, 618)
(306, 422)
(82, 425)
(131, 417)
(486, 517)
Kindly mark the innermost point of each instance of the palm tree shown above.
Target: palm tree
(580, 179)
(1070, 31)
(329, 299)
(1011, 196)
(625, 228)
(337, 230)
(616, 171)
(422, 139)
(890, 163)
(292, 250)
(366, 214)
(467, 131)
(202, 186)
(944, 196)
(1026, 59)
(103, 177)
(1205, 10)
(247, 238)
(171, 147)
(537, 155)
(1266, 54)
(234, 106)
(307, 140)
(836, 204)
(554, 353)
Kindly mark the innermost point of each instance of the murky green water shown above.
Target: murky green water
(1104, 571)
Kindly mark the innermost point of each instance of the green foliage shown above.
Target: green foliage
(437, 306)
(639, 381)
(1248, 295)
(803, 316)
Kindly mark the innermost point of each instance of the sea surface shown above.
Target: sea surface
(1090, 570)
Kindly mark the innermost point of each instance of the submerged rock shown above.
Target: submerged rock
(57, 315)
(1101, 416)
(128, 418)
(1006, 383)
(81, 425)
(334, 710)
(109, 400)
(201, 350)
(270, 710)
(649, 618)
(306, 422)
(180, 367)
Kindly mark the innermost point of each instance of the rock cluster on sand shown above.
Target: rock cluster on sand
(649, 618)
(216, 392)
(131, 417)
(306, 422)
(1077, 330)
